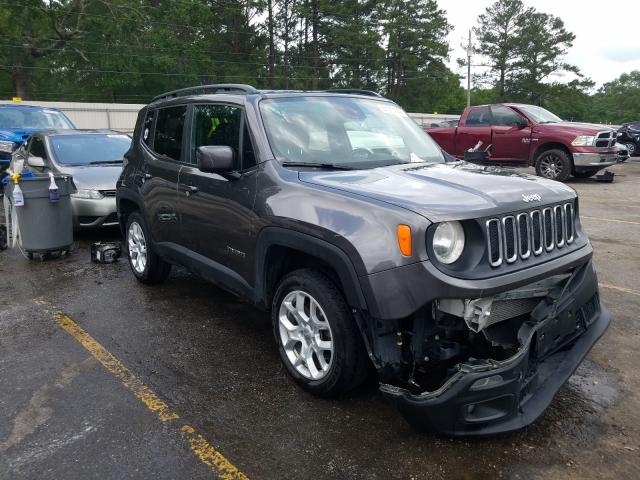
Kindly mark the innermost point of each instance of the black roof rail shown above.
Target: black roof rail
(354, 91)
(207, 89)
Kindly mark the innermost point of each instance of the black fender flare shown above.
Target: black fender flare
(336, 257)
(130, 196)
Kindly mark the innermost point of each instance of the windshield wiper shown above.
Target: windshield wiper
(333, 166)
(105, 162)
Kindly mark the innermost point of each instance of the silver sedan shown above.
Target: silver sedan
(93, 158)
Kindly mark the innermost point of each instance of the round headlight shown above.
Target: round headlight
(448, 242)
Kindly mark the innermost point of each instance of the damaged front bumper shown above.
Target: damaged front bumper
(497, 397)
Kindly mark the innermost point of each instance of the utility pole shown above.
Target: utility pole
(469, 52)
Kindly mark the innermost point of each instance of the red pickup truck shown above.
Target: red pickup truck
(531, 135)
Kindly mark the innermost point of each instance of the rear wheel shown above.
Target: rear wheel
(554, 164)
(145, 264)
(317, 336)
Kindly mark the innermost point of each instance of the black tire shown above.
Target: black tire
(585, 174)
(155, 270)
(554, 164)
(349, 363)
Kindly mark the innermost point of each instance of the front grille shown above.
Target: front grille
(108, 193)
(494, 242)
(547, 217)
(606, 139)
(516, 237)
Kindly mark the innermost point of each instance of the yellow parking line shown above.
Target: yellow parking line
(115, 366)
(610, 220)
(620, 289)
(207, 454)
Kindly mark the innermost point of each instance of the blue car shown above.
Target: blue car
(17, 122)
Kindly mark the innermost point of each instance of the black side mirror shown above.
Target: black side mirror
(522, 123)
(215, 158)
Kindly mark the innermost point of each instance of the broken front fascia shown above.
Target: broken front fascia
(492, 396)
(480, 313)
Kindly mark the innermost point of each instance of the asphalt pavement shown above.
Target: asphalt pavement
(101, 377)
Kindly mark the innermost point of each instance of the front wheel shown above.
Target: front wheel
(145, 264)
(317, 336)
(554, 164)
(631, 148)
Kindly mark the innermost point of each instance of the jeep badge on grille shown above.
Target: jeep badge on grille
(534, 197)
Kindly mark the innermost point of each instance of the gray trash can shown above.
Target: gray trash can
(44, 226)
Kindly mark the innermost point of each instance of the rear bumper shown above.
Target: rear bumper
(519, 389)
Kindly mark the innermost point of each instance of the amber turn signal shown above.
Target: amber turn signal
(404, 239)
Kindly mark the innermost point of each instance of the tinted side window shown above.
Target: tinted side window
(216, 125)
(479, 116)
(168, 135)
(505, 116)
(37, 149)
(147, 127)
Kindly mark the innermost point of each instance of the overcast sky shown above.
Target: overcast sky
(607, 43)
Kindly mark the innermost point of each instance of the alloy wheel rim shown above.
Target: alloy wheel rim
(551, 166)
(137, 247)
(305, 335)
(631, 148)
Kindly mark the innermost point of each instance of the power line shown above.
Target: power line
(294, 65)
(293, 54)
(118, 72)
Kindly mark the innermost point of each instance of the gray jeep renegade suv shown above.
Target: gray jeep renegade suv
(470, 289)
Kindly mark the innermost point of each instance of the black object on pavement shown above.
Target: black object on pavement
(105, 252)
(606, 177)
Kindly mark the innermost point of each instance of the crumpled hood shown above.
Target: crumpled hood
(15, 135)
(99, 177)
(446, 191)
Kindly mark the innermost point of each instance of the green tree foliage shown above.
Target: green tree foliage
(618, 101)
(524, 50)
(416, 48)
(129, 50)
(34, 31)
(498, 32)
(543, 42)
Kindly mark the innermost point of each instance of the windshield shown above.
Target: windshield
(539, 114)
(89, 149)
(32, 119)
(345, 132)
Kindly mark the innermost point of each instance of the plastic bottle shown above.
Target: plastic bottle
(54, 194)
(18, 197)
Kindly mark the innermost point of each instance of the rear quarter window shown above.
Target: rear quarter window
(147, 128)
(167, 138)
(479, 116)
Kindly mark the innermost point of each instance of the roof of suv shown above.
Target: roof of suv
(242, 89)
